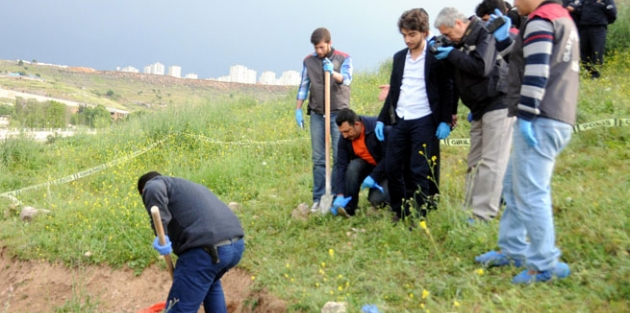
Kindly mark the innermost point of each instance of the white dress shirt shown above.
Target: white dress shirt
(413, 102)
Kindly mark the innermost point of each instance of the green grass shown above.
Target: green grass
(307, 263)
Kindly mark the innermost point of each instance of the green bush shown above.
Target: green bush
(619, 32)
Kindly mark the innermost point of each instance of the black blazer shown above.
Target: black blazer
(439, 89)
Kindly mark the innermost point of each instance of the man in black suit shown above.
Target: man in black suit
(419, 108)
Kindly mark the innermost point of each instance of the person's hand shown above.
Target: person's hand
(527, 131)
(443, 131)
(165, 249)
(341, 201)
(470, 117)
(380, 135)
(384, 91)
(454, 122)
(299, 118)
(333, 211)
(328, 66)
(369, 182)
(503, 32)
(443, 52)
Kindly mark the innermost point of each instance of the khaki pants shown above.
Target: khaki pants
(490, 143)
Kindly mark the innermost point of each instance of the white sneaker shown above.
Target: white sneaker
(315, 207)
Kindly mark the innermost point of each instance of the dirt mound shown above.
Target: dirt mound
(80, 69)
(37, 286)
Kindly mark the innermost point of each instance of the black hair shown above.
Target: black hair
(319, 35)
(145, 178)
(346, 115)
(486, 7)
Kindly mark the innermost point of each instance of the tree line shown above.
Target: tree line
(30, 113)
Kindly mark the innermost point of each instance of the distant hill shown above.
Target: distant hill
(123, 90)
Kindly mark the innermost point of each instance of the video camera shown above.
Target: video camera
(440, 41)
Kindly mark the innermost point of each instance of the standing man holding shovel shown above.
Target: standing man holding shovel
(324, 64)
(202, 231)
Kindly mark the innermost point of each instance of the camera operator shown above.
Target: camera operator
(480, 77)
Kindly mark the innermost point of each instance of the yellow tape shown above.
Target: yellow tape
(12, 194)
(578, 128)
(455, 142)
(243, 142)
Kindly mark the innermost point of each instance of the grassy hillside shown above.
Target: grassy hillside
(251, 152)
(127, 91)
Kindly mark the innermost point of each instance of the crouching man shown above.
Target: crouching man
(202, 231)
(360, 163)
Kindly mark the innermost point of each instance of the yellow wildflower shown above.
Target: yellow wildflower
(425, 293)
(423, 224)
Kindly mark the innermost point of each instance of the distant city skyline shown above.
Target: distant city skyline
(238, 74)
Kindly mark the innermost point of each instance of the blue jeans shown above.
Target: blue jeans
(197, 280)
(409, 173)
(318, 144)
(527, 193)
(356, 172)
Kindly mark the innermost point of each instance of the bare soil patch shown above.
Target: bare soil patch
(39, 286)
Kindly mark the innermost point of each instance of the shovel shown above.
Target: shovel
(325, 202)
(159, 229)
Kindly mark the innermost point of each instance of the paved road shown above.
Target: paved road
(12, 94)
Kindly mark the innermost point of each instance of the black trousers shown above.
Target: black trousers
(592, 47)
(412, 160)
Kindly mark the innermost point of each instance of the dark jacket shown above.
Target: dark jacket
(439, 89)
(575, 4)
(345, 153)
(193, 217)
(596, 13)
(480, 76)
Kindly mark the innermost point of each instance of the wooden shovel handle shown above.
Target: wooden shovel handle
(327, 130)
(159, 229)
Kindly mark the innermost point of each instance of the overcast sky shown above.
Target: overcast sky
(205, 37)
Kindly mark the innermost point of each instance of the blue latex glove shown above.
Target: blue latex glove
(380, 135)
(369, 182)
(341, 202)
(470, 117)
(165, 249)
(328, 66)
(527, 131)
(443, 52)
(443, 131)
(502, 32)
(333, 211)
(299, 118)
(369, 308)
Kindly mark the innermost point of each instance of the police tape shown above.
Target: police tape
(578, 128)
(612, 122)
(242, 142)
(12, 194)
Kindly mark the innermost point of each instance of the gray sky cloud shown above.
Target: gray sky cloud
(203, 36)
